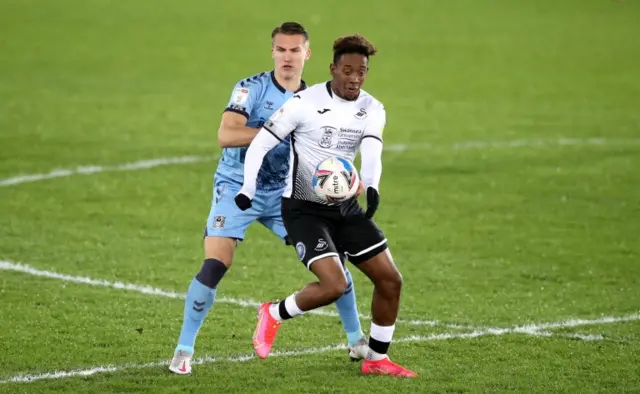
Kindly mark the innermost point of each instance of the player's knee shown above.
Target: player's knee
(334, 289)
(211, 273)
(334, 292)
(391, 285)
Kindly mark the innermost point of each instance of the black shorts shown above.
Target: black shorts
(319, 231)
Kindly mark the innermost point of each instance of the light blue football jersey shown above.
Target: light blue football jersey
(256, 98)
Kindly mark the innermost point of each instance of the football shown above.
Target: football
(335, 180)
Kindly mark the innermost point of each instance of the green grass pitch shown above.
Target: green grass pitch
(510, 195)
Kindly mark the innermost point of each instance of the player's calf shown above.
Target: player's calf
(332, 284)
(387, 293)
(350, 317)
(200, 298)
(387, 282)
(384, 310)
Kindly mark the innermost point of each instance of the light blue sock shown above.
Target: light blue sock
(348, 311)
(196, 307)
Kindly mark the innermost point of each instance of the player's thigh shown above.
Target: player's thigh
(277, 227)
(381, 270)
(220, 248)
(273, 221)
(272, 216)
(275, 224)
(311, 235)
(226, 223)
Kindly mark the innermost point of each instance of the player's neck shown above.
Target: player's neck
(292, 85)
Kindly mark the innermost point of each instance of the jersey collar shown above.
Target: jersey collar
(335, 97)
(328, 85)
(303, 84)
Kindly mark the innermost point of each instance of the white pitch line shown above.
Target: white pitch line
(462, 145)
(149, 290)
(583, 337)
(580, 322)
(94, 169)
(531, 329)
(520, 143)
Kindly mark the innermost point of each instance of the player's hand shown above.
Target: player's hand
(360, 190)
(242, 201)
(373, 200)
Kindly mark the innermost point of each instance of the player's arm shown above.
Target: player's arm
(233, 131)
(274, 131)
(371, 160)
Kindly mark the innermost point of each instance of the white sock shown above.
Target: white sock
(289, 304)
(380, 339)
(274, 312)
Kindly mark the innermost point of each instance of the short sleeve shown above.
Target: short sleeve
(376, 123)
(286, 119)
(244, 98)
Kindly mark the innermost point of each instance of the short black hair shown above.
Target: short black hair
(352, 44)
(290, 29)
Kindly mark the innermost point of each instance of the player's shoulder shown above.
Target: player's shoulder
(311, 93)
(306, 100)
(370, 103)
(260, 79)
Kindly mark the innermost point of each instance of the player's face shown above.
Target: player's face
(289, 54)
(349, 75)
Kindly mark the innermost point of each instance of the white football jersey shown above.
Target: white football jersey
(323, 125)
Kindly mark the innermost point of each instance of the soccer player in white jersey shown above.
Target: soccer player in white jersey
(252, 102)
(331, 119)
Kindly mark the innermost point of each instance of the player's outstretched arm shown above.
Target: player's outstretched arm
(233, 131)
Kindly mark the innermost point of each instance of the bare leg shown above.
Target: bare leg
(387, 283)
(331, 284)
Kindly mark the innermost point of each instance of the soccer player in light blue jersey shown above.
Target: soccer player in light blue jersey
(252, 102)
